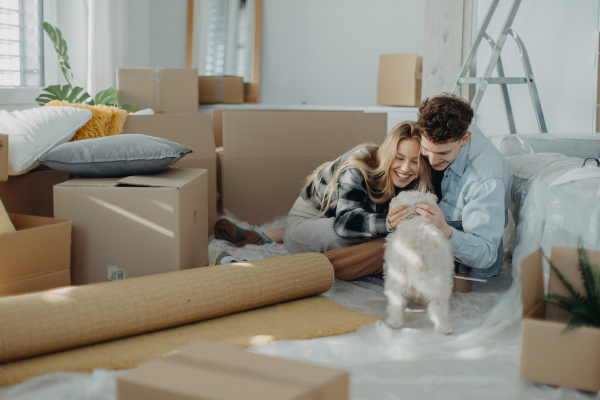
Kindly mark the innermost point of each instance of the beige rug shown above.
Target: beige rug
(307, 318)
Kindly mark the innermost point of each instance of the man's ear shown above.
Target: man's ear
(465, 138)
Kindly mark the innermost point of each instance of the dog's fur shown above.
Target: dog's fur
(418, 265)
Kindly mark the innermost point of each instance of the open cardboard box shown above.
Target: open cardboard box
(268, 154)
(194, 131)
(135, 226)
(35, 257)
(547, 355)
(220, 89)
(208, 370)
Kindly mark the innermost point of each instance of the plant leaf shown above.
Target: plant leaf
(107, 97)
(559, 301)
(128, 107)
(60, 46)
(562, 279)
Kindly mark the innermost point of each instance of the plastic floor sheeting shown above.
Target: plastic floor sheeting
(479, 360)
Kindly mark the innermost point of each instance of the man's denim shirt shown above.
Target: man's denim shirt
(475, 200)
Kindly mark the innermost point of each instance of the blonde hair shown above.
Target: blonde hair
(375, 164)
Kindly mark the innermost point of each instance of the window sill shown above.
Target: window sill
(19, 95)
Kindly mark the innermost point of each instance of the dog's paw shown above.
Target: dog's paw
(395, 321)
(445, 329)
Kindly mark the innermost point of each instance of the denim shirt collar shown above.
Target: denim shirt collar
(458, 165)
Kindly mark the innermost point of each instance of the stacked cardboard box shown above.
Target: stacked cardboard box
(193, 131)
(135, 226)
(174, 90)
(268, 154)
(221, 89)
(548, 355)
(207, 370)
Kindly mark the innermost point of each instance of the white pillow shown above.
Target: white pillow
(33, 133)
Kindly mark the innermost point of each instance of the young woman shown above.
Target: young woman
(346, 202)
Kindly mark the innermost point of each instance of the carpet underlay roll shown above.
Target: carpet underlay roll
(60, 319)
(307, 318)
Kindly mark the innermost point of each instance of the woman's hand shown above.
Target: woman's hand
(396, 215)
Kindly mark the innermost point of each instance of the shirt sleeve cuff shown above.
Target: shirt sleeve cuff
(456, 240)
(381, 224)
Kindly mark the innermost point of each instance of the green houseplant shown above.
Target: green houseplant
(584, 308)
(67, 92)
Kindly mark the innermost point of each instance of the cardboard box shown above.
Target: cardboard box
(221, 89)
(193, 131)
(547, 355)
(35, 257)
(208, 370)
(3, 157)
(135, 226)
(399, 82)
(268, 154)
(219, 152)
(173, 90)
(31, 193)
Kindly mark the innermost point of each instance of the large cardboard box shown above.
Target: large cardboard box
(220, 89)
(31, 193)
(174, 90)
(193, 131)
(3, 157)
(35, 257)
(208, 370)
(547, 354)
(399, 82)
(268, 154)
(135, 226)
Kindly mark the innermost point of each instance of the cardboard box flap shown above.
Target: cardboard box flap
(532, 280)
(171, 177)
(93, 182)
(3, 157)
(299, 132)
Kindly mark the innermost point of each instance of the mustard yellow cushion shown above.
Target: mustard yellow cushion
(105, 121)
(6, 225)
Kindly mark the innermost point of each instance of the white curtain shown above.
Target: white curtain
(107, 42)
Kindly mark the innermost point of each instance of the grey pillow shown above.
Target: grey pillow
(118, 155)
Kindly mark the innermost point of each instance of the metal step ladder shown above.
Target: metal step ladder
(496, 63)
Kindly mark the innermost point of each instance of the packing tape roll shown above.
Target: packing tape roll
(60, 319)
(219, 89)
(157, 88)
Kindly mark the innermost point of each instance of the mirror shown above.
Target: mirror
(224, 39)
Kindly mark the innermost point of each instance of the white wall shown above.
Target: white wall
(326, 52)
(561, 39)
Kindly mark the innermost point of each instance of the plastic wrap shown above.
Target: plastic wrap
(479, 360)
(571, 145)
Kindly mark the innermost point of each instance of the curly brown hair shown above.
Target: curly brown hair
(445, 118)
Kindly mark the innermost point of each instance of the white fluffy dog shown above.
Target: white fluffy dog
(418, 265)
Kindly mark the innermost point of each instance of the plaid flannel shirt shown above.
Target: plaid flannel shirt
(356, 215)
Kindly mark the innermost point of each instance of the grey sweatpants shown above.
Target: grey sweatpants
(302, 233)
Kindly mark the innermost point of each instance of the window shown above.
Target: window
(21, 45)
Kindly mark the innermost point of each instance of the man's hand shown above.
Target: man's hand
(396, 215)
(435, 216)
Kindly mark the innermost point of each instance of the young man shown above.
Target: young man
(472, 181)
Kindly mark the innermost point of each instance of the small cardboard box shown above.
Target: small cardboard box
(193, 131)
(268, 154)
(547, 355)
(221, 89)
(35, 257)
(399, 82)
(173, 90)
(135, 226)
(208, 370)
(31, 193)
(3, 157)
